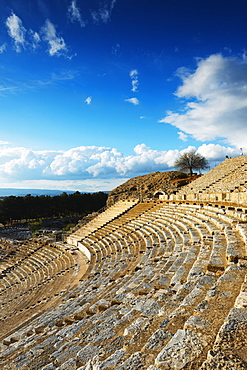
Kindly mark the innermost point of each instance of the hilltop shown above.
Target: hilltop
(147, 185)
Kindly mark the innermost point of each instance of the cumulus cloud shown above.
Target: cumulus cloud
(92, 163)
(57, 45)
(88, 100)
(15, 161)
(16, 31)
(134, 101)
(217, 152)
(216, 104)
(103, 14)
(75, 14)
(134, 80)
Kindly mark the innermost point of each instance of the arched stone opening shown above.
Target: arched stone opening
(159, 194)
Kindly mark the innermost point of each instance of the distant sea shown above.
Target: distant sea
(5, 192)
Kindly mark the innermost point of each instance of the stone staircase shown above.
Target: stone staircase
(165, 288)
(101, 220)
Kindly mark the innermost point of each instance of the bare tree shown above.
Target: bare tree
(190, 161)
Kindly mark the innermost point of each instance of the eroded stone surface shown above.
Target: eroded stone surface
(241, 301)
(113, 360)
(87, 353)
(49, 366)
(157, 339)
(218, 360)
(69, 365)
(134, 362)
(140, 324)
(180, 350)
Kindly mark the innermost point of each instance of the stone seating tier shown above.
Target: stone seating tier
(102, 219)
(226, 183)
(33, 275)
(165, 285)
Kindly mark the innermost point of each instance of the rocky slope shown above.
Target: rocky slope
(146, 186)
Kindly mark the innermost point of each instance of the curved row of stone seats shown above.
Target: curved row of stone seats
(63, 354)
(230, 183)
(101, 220)
(100, 251)
(234, 247)
(20, 294)
(217, 261)
(33, 303)
(35, 277)
(18, 254)
(159, 315)
(115, 224)
(38, 260)
(226, 177)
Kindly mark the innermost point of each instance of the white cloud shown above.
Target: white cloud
(35, 39)
(133, 73)
(3, 48)
(91, 164)
(31, 39)
(135, 84)
(16, 31)
(2, 142)
(134, 80)
(17, 160)
(182, 136)
(88, 100)
(22, 38)
(57, 45)
(74, 14)
(217, 100)
(134, 101)
(103, 14)
(216, 152)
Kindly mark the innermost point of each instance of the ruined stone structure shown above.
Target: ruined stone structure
(148, 186)
(149, 285)
(225, 184)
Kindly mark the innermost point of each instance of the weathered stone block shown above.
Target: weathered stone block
(87, 353)
(181, 350)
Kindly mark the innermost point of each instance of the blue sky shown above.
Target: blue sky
(95, 92)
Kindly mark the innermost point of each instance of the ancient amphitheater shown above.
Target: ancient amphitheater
(146, 285)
